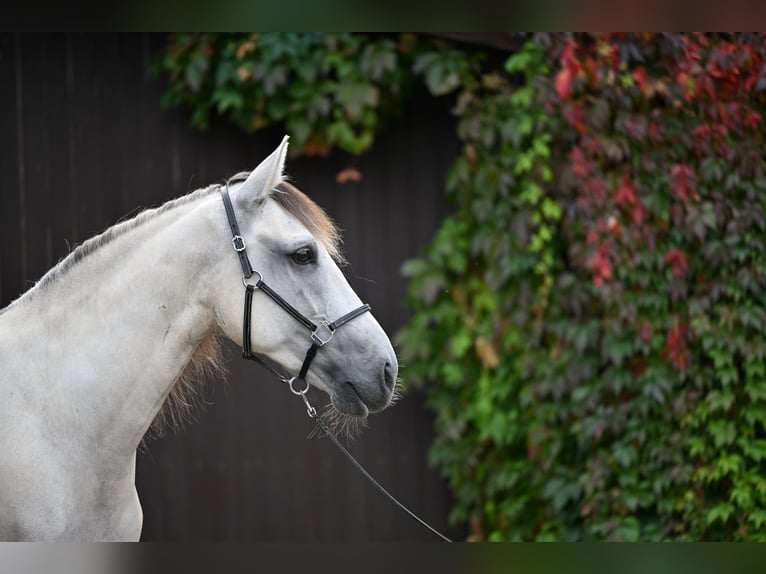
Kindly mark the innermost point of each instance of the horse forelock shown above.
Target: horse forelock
(312, 217)
(308, 213)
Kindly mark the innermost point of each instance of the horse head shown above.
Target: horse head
(293, 249)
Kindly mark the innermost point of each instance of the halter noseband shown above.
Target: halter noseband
(320, 334)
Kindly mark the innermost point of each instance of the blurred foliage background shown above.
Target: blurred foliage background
(589, 323)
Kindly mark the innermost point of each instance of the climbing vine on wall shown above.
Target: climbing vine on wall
(328, 89)
(589, 324)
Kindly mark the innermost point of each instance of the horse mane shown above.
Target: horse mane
(90, 246)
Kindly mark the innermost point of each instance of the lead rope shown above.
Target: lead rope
(314, 415)
(369, 477)
(317, 341)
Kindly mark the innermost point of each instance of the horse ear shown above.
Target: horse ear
(265, 177)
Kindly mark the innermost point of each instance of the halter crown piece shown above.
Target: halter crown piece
(320, 335)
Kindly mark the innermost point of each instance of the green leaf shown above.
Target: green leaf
(626, 455)
(729, 375)
(551, 209)
(440, 74)
(561, 492)
(754, 413)
(723, 432)
(696, 445)
(227, 99)
(629, 530)
(728, 464)
(522, 96)
(355, 97)
(377, 59)
(531, 193)
(757, 518)
(460, 343)
(721, 513)
(496, 536)
(720, 400)
(753, 448)
(300, 130)
(742, 496)
(518, 62)
(196, 70)
(756, 390)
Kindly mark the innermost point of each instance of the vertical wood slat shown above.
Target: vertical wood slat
(81, 125)
(10, 162)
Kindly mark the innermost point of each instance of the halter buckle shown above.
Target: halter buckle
(315, 336)
(238, 243)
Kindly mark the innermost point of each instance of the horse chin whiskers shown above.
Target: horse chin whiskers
(341, 424)
(396, 394)
(349, 426)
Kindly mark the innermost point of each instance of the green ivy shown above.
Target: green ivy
(589, 324)
(608, 379)
(328, 89)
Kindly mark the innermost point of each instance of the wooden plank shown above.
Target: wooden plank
(10, 166)
(35, 151)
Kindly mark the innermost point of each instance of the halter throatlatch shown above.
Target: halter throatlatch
(320, 334)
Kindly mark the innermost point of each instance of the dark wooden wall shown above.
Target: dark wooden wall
(83, 143)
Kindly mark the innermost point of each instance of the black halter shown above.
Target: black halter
(320, 334)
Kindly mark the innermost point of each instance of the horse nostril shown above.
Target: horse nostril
(389, 376)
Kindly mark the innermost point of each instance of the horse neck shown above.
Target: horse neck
(103, 344)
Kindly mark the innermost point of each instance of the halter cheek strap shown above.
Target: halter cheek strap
(320, 334)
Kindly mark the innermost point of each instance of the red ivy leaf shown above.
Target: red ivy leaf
(751, 119)
(573, 114)
(751, 79)
(600, 265)
(683, 182)
(579, 165)
(625, 193)
(641, 79)
(679, 261)
(563, 84)
(639, 214)
(569, 59)
(675, 348)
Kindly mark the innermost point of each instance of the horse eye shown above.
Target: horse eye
(303, 256)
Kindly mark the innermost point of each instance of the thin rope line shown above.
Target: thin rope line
(369, 477)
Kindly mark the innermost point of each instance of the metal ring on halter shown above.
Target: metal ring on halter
(260, 278)
(292, 389)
